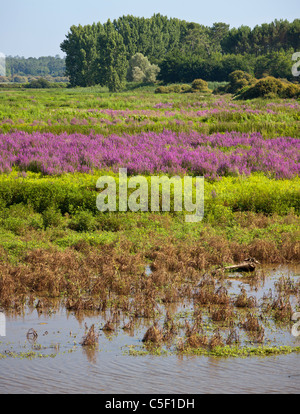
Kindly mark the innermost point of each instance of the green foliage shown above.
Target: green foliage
(162, 89)
(39, 84)
(275, 36)
(184, 51)
(176, 88)
(199, 85)
(53, 196)
(238, 80)
(62, 194)
(80, 47)
(18, 218)
(112, 59)
(177, 67)
(83, 221)
(42, 66)
(111, 221)
(270, 87)
(141, 70)
(52, 217)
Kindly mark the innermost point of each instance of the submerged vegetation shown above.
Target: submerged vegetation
(151, 266)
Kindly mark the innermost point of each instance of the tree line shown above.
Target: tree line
(100, 53)
(42, 66)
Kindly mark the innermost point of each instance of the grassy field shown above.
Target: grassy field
(55, 144)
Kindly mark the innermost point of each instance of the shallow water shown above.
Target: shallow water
(67, 367)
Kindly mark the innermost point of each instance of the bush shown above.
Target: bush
(20, 217)
(292, 91)
(175, 88)
(185, 88)
(83, 221)
(40, 83)
(238, 80)
(110, 222)
(270, 87)
(52, 217)
(200, 85)
(162, 89)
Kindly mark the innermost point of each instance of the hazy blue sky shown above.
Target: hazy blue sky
(37, 27)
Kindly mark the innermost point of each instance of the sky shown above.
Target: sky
(33, 28)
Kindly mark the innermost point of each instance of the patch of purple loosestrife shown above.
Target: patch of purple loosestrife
(213, 156)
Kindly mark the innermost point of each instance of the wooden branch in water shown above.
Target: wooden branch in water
(248, 265)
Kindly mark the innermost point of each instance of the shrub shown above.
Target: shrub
(83, 221)
(185, 88)
(15, 225)
(292, 91)
(162, 89)
(20, 217)
(35, 221)
(19, 79)
(238, 80)
(200, 85)
(40, 83)
(175, 88)
(270, 87)
(110, 222)
(52, 217)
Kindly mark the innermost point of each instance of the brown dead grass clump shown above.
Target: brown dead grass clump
(195, 337)
(109, 326)
(170, 328)
(251, 323)
(286, 286)
(208, 295)
(8, 287)
(243, 301)
(216, 340)
(223, 314)
(266, 251)
(233, 337)
(154, 334)
(91, 338)
(254, 328)
(197, 340)
(82, 304)
(282, 308)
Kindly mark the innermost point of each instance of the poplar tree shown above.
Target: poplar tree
(112, 62)
(80, 48)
